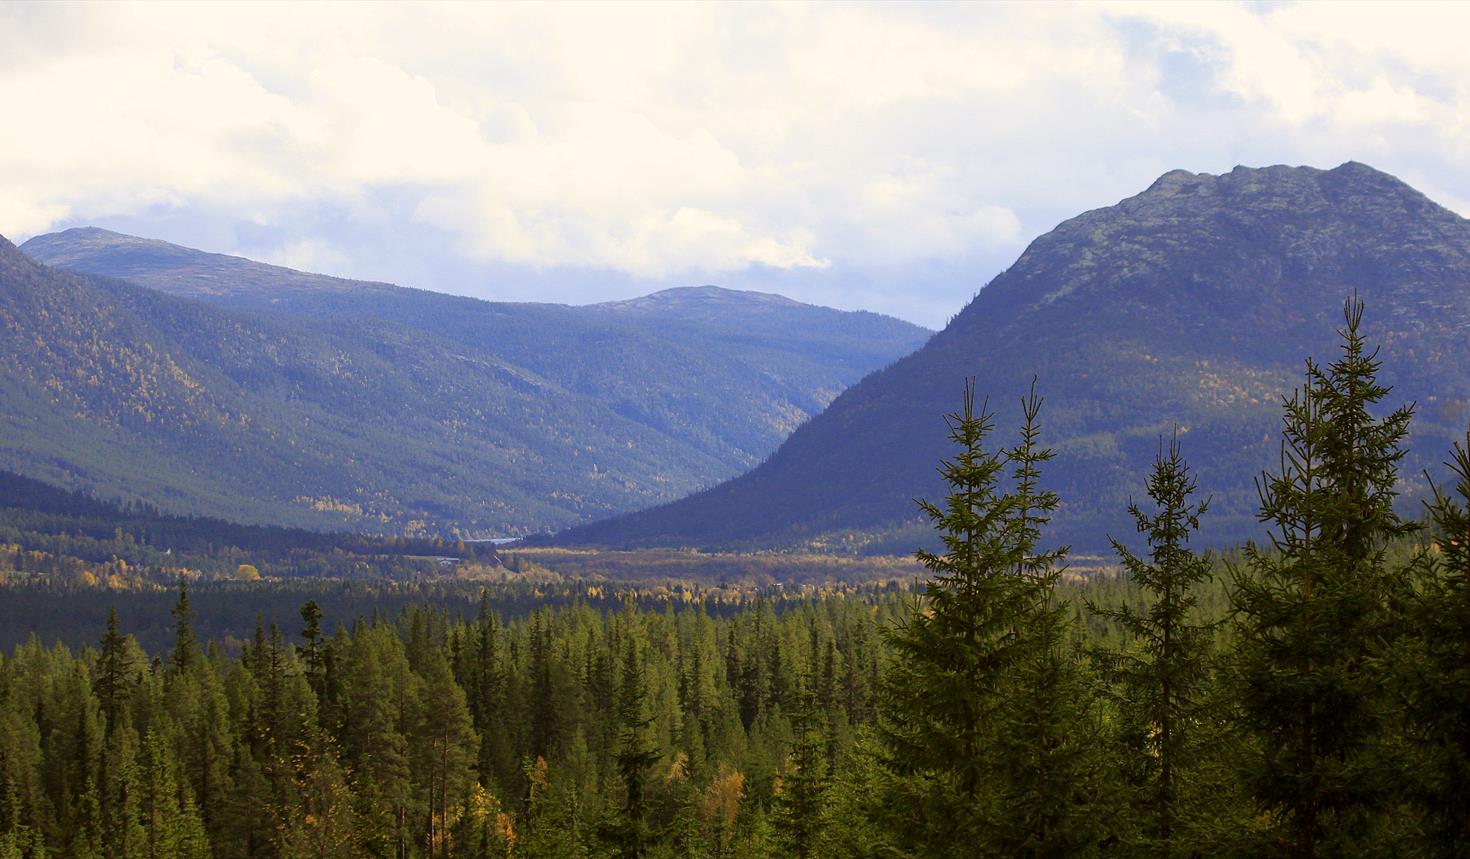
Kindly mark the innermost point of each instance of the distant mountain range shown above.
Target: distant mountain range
(1189, 306)
(215, 385)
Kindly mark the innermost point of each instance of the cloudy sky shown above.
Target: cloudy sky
(886, 157)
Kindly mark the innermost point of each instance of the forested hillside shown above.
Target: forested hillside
(324, 403)
(1189, 306)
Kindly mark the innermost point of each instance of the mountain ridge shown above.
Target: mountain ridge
(1191, 304)
(173, 268)
(394, 411)
(134, 257)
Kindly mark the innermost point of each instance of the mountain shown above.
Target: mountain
(263, 395)
(184, 271)
(761, 363)
(1189, 306)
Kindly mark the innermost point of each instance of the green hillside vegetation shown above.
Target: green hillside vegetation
(1189, 306)
(398, 411)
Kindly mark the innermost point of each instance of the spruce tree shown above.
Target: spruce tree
(116, 667)
(553, 823)
(631, 835)
(159, 800)
(1433, 671)
(186, 646)
(800, 806)
(1161, 675)
(1310, 608)
(314, 654)
(1048, 755)
(985, 707)
(951, 652)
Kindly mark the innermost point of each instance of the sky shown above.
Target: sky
(891, 158)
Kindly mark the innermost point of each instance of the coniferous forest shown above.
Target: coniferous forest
(1307, 695)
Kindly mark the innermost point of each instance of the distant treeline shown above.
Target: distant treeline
(28, 505)
(71, 539)
(226, 612)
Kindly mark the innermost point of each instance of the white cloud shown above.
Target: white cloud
(692, 141)
(307, 255)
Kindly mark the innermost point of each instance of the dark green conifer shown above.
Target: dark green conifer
(186, 646)
(1432, 671)
(115, 671)
(314, 654)
(631, 835)
(1161, 674)
(800, 807)
(1311, 607)
(984, 721)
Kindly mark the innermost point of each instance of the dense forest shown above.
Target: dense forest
(1309, 696)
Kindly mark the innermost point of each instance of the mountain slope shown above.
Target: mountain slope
(184, 271)
(385, 409)
(730, 373)
(1191, 305)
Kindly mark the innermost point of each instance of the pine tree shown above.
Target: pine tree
(1162, 674)
(447, 745)
(1310, 608)
(374, 746)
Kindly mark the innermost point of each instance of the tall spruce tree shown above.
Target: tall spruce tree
(631, 835)
(984, 703)
(800, 807)
(314, 653)
(1161, 675)
(1310, 608)
(186, 645)
(115, 674)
